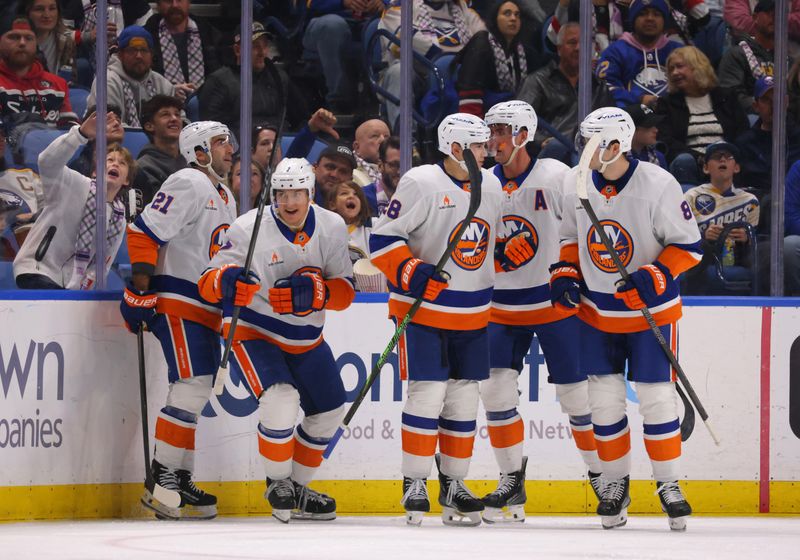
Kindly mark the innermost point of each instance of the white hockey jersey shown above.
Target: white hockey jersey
(178, 232)
(423, 215)
(534, 202)
(646, 217)
(25, 184)
(321, 246)
(712, 207)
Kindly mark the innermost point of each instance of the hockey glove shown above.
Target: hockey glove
(137, 307)
(645, 286)
(300, 294)
(232, 287)
(421, 280)
(517, 251)
(565, 287)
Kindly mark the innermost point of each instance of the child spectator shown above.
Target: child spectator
(347, 199)
(161, 120)
(644, 144)
(256, 180)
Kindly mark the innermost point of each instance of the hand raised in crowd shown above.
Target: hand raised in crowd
(183, 91)
(89, 126)
(323, 121)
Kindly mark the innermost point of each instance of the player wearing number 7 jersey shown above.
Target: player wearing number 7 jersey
(170, 245)
(642, 210)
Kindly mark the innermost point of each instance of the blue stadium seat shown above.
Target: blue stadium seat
(135, 139)
(192, 108)
(77, 98)
(34, 143)
(7, 276)
(313, 155)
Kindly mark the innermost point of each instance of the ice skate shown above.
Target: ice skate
(596, 482)
(415, 499)
(613, 508)
(197, 504)
(280, 495)
(673, 504)
(162, 493)
(507, 503)
(312, 505)
(460, 507)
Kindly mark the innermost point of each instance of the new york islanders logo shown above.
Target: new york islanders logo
(513, 225)
(621, 240)
(217, 240)
(473, 246)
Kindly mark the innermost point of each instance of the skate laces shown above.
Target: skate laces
(670, 492)
(168, 479)
(306, 495)
(282, 488)
(597, 484)
(614, 489)
(506, 484)
(457, 489)
(416, 489)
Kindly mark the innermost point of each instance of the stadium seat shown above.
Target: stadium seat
(7, 276)
(34, 143)
(312, 156)
(135, 139)
(192, 108)
(77, 98)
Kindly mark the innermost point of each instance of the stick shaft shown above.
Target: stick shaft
(143, 403)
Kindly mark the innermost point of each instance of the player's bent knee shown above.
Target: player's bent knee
(190, 394)
(278, 406)
(425, 398)
(574, 398)
(658, 402)
(501, 391)
(461, 400)
(607, 397)
(324, 424)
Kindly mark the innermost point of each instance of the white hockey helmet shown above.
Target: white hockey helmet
(463, 129)
(613, 124)
(516, 114)
(293, 174)
(198, 135)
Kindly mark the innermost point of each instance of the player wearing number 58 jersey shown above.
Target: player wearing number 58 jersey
(642, 210)
(170, 245)
(444, 351)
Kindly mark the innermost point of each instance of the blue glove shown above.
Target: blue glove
(421, 280)
(137, 307)
(236, 289)
(565, 287)
(300, 294)
(645, 286)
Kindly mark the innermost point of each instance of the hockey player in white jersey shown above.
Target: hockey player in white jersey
(642, 209)
(527, 246)
(170, 244)
(444, 351)
(301, 259)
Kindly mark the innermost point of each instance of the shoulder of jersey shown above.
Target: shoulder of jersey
(328, 219)
(657, 177)
(187, 176)
(546, 173)
(490, 182)
(551, 165)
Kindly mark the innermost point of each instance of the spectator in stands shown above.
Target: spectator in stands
(256, 180)
(27, 92)
(161, 121)
(791, 241)
(335, 165)
(440, 27)
(347, 199)
(740, 15)
(380, 192)
(321, 122)
(634, 65)
(552, 91)
(752, 57)
(644, 145)
(495, 61)
(263, 141)
(131, 79)
(697, 111)
(119, 15)
(55, 42)
(369, 136)
(85, 162)
(59, 251)
(184, 50)
(714, 205)
(329, 37)
(755, 143)
(220, 98)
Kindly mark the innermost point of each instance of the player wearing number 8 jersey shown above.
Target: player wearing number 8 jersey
(444, 351)
(170, 245)
(642, 210)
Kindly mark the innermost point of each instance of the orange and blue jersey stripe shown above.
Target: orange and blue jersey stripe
(294, 339)
(181, 298)
(524, 306)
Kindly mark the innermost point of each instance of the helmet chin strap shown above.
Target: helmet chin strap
(604, 164)
(514, 151)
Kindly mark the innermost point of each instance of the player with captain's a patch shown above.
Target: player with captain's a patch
(170, 244)
(444, 351)
(642, 210)
(527, 246)
(300, 268)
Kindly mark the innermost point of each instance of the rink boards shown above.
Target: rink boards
(70, 428)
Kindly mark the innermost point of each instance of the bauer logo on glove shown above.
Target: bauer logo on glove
(300, 294)
(645, 286)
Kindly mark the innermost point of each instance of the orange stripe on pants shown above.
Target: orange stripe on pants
(277, 452)
(614, 449)
(402, 357)
(663, 449)
(307, 456)
(457, 447)
(174, 435)
(246, 365)
(180, 346)
(584, 439)
(507, 435)
(422, 445)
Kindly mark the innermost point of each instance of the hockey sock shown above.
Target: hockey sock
(500, 395)
(311, 438)
(457, 424)
(658, 404)
(574, 400)
(421, 426)
(175, 431)
(607, 394)
(277, 449)
(277, 411)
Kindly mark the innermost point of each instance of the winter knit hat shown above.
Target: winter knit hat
(638, 5)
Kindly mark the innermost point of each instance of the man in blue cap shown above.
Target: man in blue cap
(131, 79)
(635, 65)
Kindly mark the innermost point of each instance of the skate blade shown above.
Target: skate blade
(162, 511)
(612, 521)
(415, 518)
(198, 513)
(509, 514)
(460, 519)
(305, 516)
(282, 515)
(677, 523)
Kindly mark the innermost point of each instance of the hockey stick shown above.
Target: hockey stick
(148, 474)
(222, 372)
(583, 196)
(474, 202)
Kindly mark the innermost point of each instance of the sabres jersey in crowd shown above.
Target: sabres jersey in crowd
(174, 238)
(23, 187)
(321, 247)
(646, 217)
(534, 203)
(710, 206)
(422, 217)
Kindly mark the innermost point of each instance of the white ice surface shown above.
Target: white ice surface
(388, 538)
